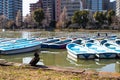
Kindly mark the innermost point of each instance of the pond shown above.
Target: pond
(59, 57)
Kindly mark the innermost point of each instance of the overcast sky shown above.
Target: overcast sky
(26, 6)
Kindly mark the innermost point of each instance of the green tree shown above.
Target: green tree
(80, 17)
(38, 15)
(84, 18)
(110, 14)
(100, 18)
(76, 17)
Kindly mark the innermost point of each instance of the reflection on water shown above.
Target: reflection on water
(55, 57)
(117, 66)
(26, 60)
(99, 64)
(25, 34)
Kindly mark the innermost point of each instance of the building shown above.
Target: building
(51, 5)
(45, 5)
(113, 5)
(97, 5)
(9, 8)
(118, 8)
(1, 7)
(34, 6)
(71, 6)
(74, 5)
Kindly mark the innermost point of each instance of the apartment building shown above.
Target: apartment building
(9, 8)
(118, 8)
(74, 5)
(34, 6)
(71, 6)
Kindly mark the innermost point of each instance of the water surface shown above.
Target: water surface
(56, 57)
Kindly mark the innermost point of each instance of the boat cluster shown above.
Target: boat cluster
(22, 45)
(83, 48)
(93, 48)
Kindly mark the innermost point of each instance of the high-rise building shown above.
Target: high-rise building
(97, 5)
(112, 5)
(45, 5)
(118, 8)
(51, 5)
(74, 5)
(34, 6)
(9, 8)
(71, 6)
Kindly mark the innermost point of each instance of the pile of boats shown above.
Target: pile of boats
(22, 45)
(79, 48)
(91, 49)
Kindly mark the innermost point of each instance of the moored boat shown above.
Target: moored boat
(114, 47)
(46, 43)
(60, 44)
(79, 51)
(20, 47)
(101, 51)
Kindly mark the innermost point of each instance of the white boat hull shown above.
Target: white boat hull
(82, 56)
(106, 55)
(21, 50)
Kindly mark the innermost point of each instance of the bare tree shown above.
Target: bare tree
(115, 22)
(10, 24)
(47, 19)
(19, 19)
(63, 19)
(3, 21)
(29, 21)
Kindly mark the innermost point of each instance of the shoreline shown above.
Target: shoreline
(64, 30)
(111, 75)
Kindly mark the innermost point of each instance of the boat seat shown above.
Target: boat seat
(111, 47)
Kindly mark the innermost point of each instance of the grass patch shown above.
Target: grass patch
(19, 73)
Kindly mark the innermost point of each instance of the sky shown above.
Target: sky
(26, 6)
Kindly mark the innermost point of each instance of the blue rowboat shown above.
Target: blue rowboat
(79, 52)
(60, 44)
(101, 51)
(20, 47)
(114, 47)
(78, 41)
(46, 43)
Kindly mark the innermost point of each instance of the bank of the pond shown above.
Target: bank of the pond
(64, 30)
(13, 71)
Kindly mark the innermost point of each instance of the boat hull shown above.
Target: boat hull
(101, 51)
(118, 55)
(21, 50)
(60, 44)
(82, 56)
(106, 55)
(46, 44)
(57, 46)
